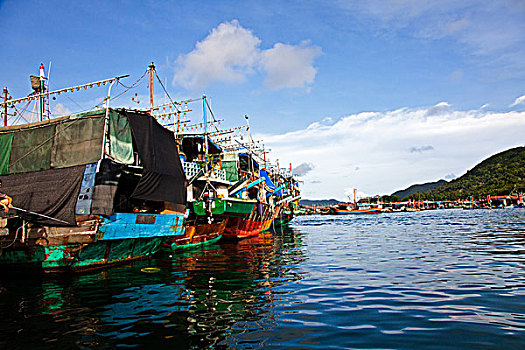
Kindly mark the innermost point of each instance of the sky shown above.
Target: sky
(373, 95)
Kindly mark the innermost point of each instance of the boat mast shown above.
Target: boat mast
(151, 69)
(47, 89)
(205, 132)
(250, 143)
(42, 91)
(106, 144)
(5, 105)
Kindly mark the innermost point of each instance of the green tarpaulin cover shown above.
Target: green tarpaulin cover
(121, 147)
(77, 141)
(64, 142)
(230, 167)
(31, 150)
(6, 141)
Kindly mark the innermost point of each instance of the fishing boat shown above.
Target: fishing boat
(288, 195)
(205, 182)
(248, 209)
(355, 208)
(343, 209)
(89, 190)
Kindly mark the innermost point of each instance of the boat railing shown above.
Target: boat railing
(191, 169)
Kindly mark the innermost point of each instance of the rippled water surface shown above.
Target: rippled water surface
(452, 279)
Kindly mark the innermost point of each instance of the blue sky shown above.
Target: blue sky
(355, 94)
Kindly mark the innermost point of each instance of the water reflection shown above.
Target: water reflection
(198, 299)
(424, 280)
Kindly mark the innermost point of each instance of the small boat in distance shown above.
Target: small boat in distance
(342, 209)
(355, 208)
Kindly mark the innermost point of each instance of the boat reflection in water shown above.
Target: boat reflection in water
(200, 298)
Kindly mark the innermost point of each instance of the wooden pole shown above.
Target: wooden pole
(151, 70)
(5, 105)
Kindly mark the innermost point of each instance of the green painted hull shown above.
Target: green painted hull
(195, 245)
(284, 221)
(77, 257)
(226, 206)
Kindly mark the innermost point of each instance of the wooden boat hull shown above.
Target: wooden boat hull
(336, 211)
(94, 244)
(197, 234)
(283, 221)
(226, 206)
(78, 257)
(241, 228)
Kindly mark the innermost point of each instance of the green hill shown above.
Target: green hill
(500, 174)
(418, 188)
(319, 203)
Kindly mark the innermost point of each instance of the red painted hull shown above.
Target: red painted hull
(196, 234)
(240, 228)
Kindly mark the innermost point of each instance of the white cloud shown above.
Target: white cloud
(303, 169)
(230, 53)
(289, 66)
(438, 109)
(377, 143)
(520, 100)
(421, 149)
(60, 110)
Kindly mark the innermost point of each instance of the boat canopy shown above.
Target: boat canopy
(244, 162)
(193, 145)
(43, 165)
(267, 180)
(64, 142)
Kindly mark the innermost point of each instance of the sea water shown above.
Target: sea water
(444, 279)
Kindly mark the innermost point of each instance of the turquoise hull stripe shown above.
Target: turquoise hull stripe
(275, 191)
(130, 225)
(194, 245)
(248, 187)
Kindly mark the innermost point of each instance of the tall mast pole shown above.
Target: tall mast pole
(42, 90)
(151, 68)
(205, 131)
(264, 156)
(250, 141)
(5, 105)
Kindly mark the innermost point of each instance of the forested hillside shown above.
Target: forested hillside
(500, 174)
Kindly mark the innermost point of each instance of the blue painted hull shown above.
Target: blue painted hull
(131, 225)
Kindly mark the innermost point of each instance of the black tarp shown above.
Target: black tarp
(163, 178)
(105, 188)
(244, 163)
(193, 145)
(51, 192)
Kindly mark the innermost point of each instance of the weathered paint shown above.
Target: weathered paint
(239, 228)
(226, 206)
(197, 234)
(55, 258)
(121, 237)
(131, 225)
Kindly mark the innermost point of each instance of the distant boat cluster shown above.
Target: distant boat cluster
(117, 184)
(489, 202)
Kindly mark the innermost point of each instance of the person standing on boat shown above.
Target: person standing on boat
(5, 200)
